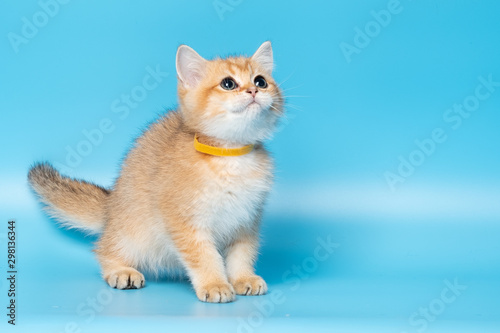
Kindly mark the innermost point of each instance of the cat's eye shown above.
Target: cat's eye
(228, 84)
(260, 82)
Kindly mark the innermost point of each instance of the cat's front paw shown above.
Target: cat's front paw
(126, 278)
(250, 285)
(216, 293)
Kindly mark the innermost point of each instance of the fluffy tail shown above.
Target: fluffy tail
(75, 203)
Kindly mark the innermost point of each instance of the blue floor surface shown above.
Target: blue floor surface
(324, 275)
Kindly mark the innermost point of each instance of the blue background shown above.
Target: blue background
(349, 121)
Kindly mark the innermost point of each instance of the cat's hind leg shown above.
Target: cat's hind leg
(118, 274)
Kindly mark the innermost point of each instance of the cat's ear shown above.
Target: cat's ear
(264, 56)
(190, 66)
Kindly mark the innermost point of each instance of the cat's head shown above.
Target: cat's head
(234, 99)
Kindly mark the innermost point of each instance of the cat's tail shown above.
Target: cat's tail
(75, 203)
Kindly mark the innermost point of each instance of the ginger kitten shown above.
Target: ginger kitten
(191, 191)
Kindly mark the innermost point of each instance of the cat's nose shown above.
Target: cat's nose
(252, 90)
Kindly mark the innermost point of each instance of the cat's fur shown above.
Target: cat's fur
(174, 207)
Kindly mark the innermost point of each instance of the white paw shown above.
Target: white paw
(250, 285)
(126, 278)
(216, 293)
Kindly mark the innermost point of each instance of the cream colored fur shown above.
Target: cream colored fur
(173, 207)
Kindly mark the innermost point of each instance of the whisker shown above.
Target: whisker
(291, 88)
(298, 96)
(293, 107)
(288, 77)
(275, 108)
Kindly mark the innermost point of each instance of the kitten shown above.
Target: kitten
(191, 191)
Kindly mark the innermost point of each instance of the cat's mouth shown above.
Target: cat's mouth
(252, 106)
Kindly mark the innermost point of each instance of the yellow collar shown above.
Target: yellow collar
(216, 151)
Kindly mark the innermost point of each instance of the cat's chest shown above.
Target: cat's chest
(234, 191)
